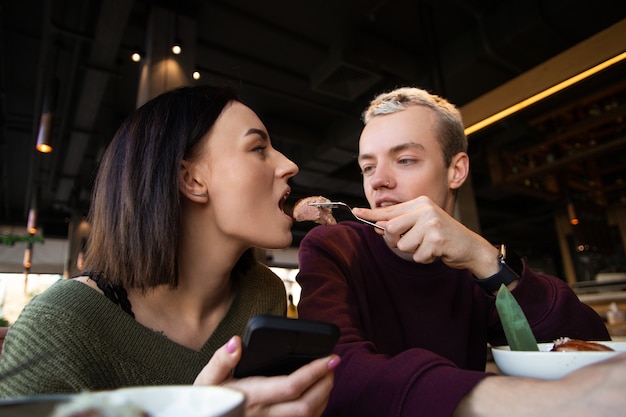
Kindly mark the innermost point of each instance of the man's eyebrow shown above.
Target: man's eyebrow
(404, 146)
(398, 148)
(259, 132)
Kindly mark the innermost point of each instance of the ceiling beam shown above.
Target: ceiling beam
(588, 53)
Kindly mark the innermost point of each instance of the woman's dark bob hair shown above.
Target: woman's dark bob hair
(135, 210)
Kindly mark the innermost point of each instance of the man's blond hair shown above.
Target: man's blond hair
(449, 130)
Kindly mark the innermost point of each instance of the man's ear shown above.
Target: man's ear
(458, 170)
(190, 185)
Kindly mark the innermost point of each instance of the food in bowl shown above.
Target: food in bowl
(546, 364)
(302, 211)
(565, 344)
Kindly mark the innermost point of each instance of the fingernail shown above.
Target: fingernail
(231, 346)
(332, 364)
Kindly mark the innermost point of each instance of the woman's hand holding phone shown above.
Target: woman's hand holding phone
(303, 392)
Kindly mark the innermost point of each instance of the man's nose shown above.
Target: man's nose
(380, 178)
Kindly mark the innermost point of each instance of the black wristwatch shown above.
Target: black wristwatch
(510, 270)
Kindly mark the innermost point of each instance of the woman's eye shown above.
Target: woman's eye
(260, 149)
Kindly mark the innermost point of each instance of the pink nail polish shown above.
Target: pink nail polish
(332, 364)
(231, 346)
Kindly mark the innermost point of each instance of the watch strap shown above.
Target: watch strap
(510, 270)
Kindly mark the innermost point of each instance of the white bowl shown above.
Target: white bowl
(545, 364)
(169, 401)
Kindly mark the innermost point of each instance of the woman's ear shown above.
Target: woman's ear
(458, 170)
(192, 186)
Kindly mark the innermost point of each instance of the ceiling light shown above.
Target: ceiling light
(136, 56)
(45, 133)
(196, 75)
(31, 224)
(177, 47)
(543, 94)
(28, 255)
(571, 213)
(80, 260)
(44, 136)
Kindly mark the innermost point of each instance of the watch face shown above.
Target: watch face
(508, 274)
(510, 270)
(514, 263)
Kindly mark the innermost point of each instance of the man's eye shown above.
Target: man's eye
(406, 161)
(367, 169)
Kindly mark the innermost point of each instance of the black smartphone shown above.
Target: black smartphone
(275, 345)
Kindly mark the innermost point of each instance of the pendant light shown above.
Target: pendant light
(44, 137)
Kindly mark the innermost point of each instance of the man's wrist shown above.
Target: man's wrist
(510, 270)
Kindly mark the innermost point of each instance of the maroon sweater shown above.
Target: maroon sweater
(414, 336)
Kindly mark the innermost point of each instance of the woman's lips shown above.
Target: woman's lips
(283, 199)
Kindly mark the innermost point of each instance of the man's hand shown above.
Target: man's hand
(424, 232)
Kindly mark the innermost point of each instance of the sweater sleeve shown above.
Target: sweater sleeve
(70, 338)
(553, 309)
(415, 382)
(36, 357)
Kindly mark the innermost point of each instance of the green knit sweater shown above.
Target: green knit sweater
(71, 338)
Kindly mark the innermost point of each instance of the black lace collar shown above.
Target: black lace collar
(116, 293)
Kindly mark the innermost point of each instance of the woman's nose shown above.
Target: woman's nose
(287, 167)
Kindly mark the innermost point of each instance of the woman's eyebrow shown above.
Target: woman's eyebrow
(254, 131)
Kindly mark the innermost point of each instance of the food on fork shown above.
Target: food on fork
(302, 211)
(565, 344)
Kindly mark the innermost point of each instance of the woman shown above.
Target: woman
(188, 186)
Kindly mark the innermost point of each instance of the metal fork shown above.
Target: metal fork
(339, 204)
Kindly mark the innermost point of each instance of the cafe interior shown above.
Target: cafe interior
(540, 85)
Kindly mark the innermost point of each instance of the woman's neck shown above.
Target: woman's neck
(190, 313)
(185, 315)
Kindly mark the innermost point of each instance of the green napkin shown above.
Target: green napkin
(516, 327)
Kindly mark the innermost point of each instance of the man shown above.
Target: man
(416, 302)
